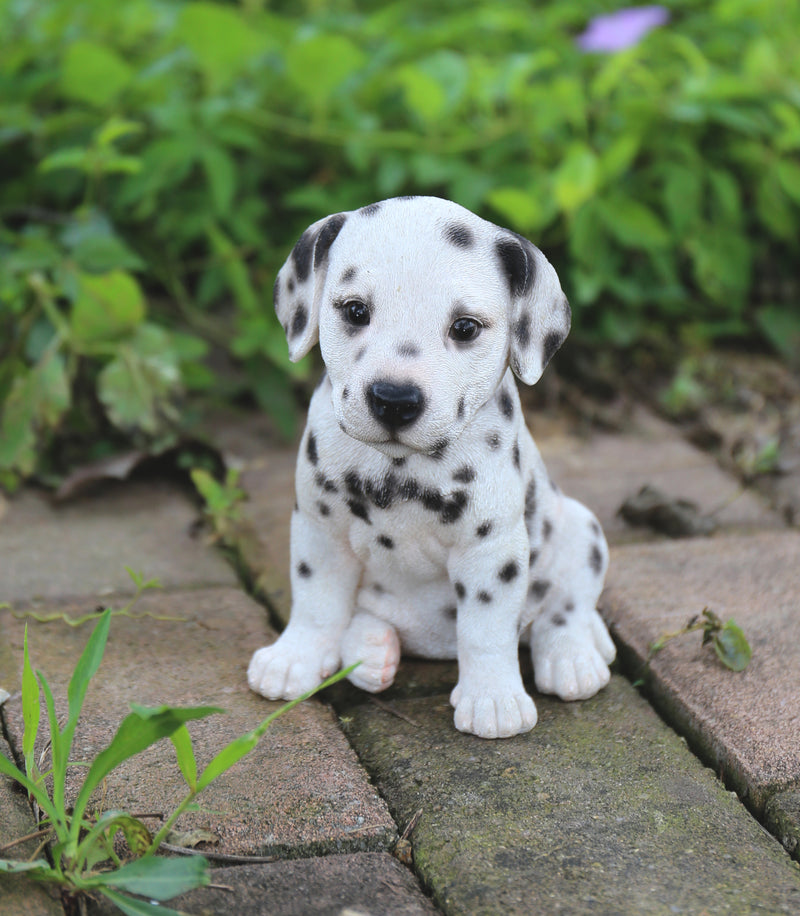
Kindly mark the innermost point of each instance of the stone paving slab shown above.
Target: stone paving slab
(747, 723)
(600, 809)
(362, 884)
(82, 547)
(21, 895)
(606, 468)
(300, 792)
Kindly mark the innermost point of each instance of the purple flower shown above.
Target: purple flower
(622, 29)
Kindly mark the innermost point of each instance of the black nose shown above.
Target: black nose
(394, 406)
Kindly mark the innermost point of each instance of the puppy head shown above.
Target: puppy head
(419, 306)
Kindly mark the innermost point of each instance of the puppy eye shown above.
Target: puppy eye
(465, 329)
(356, 313)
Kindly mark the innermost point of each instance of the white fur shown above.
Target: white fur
(443, 537)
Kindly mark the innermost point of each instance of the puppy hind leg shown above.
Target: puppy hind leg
(375, 644)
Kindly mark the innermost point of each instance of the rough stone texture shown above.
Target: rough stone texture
(605, 469)
(782, 816)
(600, 809)
(301, 791)
(363, 884)
(21, 895)
(747, 723)
(82, 547)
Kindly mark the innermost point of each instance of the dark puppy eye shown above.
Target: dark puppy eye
(465, 329)
(356, 313)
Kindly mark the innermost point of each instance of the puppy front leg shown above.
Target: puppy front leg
(324, 574)
(491, 583)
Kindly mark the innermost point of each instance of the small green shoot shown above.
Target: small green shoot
(222, 502)
(84, 859)
(728, 639)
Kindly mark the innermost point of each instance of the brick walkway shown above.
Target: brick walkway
(608, 806)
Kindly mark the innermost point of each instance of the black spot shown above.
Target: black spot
(450, 613)
(349, 275)
(432, 500)
(493, 441)
(299, 321)
(398, 462)
(385, 541)
(378, 588)
(301, 255)
(276, 292)
(558, 620)
(407, 350)
(439, 449)
(345, 393)
(324, 508)
(569, 606)
(454, 507)
(595, 528)
(460, 590)
(311, 449)
(465, 474)
(484, 598)
(515, 455)
(409, 489)
(539, 588)
(506, 404)
(460, 235)
(484, 529)
(354, 484)
(461, 407)
(596, 559)
(325, 483)
(327, 236)
(359, 355)
(534, 556)
(517, 266)
(547, 529)
(522, 330)
(530, 499)
(304, 570)
(370, 209)
(551, 343)
(290, 284)
(359, 509)
(509, 572)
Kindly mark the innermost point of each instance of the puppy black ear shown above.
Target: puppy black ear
(298, 287)
(538, 310)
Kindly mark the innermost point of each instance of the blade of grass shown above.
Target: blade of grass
(132, 906)
(30, 708)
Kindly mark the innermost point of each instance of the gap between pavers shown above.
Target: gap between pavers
(361, 884)
(82, 547)
(600, 809)
(300, 792)
(748, 723)
(21, 895)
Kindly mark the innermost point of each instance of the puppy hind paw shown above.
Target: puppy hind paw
(376, 647)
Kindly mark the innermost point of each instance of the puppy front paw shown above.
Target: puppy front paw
(572, 661)
(283, 672)
(493, 714)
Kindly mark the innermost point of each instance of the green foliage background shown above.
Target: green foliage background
(158, 158)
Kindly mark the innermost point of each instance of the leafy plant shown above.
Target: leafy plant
(84, 860)
(222, 501)
(728, 639)
(160, 157)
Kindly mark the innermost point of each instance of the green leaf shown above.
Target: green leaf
(133, 906)
(182, 742)
(788, 172)
(576, 179)
(136, 386)
(732, 647)
(319, 65)
(109, 307)
(520, 209)
(221, 176)
(13, 867)
(631, 223)
(30, 707)
(683, 196)
(158, 879)
(72, 157)
(137, 731)
(93, 73)
(781, 326)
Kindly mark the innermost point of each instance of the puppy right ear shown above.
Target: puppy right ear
(298, 286)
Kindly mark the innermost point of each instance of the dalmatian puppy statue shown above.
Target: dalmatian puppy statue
(426, 522)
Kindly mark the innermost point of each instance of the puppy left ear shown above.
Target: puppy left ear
(299, 284)
(539, 313)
